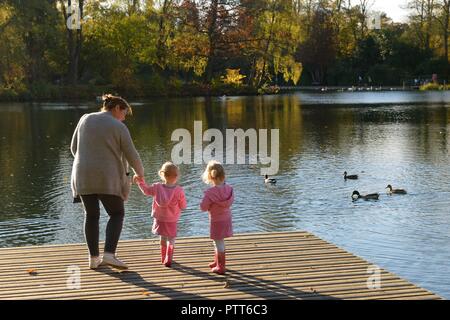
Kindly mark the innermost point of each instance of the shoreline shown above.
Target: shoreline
(83, 93)
(54, 93)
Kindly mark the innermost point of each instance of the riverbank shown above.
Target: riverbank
(47, 92)
(347, 88)
(53, 93)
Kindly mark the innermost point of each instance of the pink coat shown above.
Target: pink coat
(167, 201)
(217, 201)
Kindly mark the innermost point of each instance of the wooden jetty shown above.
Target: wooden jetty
(283, 265)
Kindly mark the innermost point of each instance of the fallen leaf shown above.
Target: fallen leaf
(145, 293)
(32, 272)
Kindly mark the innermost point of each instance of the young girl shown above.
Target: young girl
(168, 201)
(217, 201)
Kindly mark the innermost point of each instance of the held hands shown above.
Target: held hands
(138, 179)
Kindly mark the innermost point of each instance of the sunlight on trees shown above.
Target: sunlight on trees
(144, 46)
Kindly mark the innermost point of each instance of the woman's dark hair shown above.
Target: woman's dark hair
(110, 102)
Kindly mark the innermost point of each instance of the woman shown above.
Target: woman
(103, 149)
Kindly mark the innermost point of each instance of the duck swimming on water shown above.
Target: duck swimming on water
(372, 196)
(269, 180)
(395, 191)
(351, 176)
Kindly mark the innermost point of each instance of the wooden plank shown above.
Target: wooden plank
(202, 279)
(292, 286)
(155, 266)
(160, 272)
(185, 257)
(282, 265)
(181, 257)
(239, 247)
(349, 291)
(258, 237)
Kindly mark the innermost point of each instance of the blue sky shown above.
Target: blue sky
(394, 9)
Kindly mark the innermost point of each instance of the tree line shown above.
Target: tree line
(158, 47)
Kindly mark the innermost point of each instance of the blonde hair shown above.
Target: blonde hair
(110, 102)
(214, 172)
(168, 169)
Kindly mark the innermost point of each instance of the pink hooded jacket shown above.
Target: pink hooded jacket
(167, 201)
(217, 201)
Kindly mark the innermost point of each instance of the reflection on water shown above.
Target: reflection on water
(365, 97)
(406, 145)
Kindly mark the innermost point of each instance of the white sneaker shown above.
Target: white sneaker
(94, 262)
(110, 259)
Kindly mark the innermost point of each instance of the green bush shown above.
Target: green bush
(220, 89)
(432, 66)
(383, 74)
(266, 89)
(13, 94)
(41, 90)
(434, 87)
(125, 81)
(155, 85)
(175, 86)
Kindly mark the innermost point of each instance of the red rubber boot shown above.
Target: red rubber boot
(220, 268)
(169, 256)
(214, 263)
(163, 253)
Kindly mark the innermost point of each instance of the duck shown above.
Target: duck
(352, 176)
(372, 196)
(269, 180)
(395, 191)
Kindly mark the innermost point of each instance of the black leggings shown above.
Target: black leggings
(115, 208)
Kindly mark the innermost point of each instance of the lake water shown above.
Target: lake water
(398, 138)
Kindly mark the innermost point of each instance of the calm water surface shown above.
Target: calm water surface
(401, 138)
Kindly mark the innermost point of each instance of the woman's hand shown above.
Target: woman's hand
(138, 179)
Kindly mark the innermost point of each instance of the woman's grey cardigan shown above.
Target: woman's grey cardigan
(102, 146)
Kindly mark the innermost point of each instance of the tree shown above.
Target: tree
(34, 22)
(443, 18)
(73, 15)
(166, 24)
(12, 71)
(188, 48)
(318, 51)
(422, 16)
(121, 42)
(278, 31)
